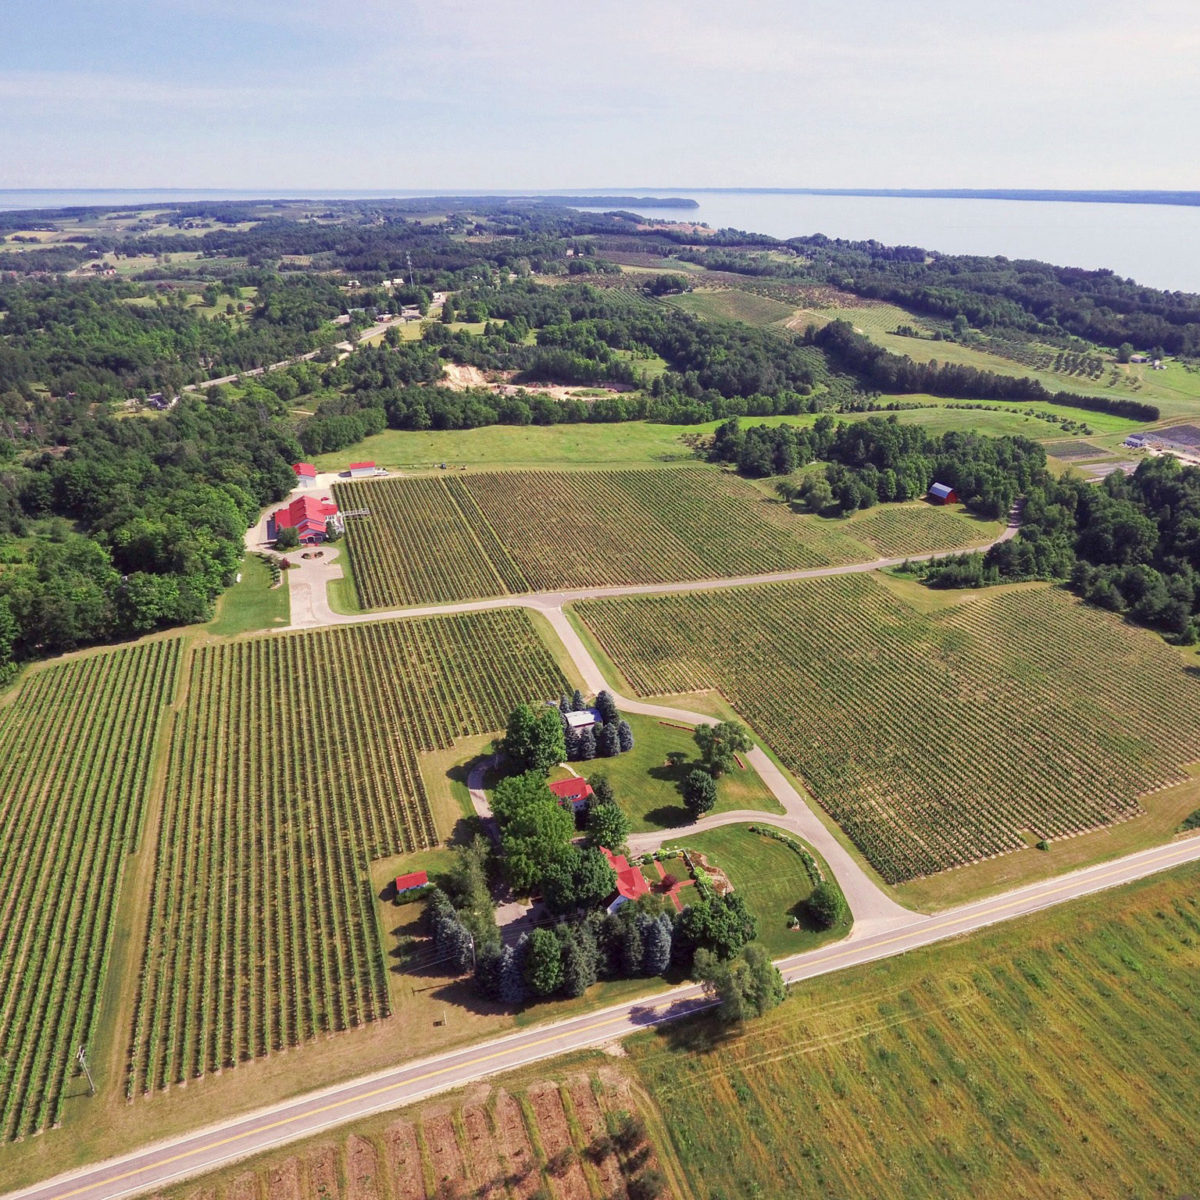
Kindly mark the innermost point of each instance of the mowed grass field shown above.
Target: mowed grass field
(77, 748)
(581, 1134)
(1050, 1057)
(437, 539)
(934, 738)
(293, 765)
(647, 785)
(773, 880)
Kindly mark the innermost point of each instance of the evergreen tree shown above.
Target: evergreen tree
(657, 933)
(511, 972)
(587, 745)
(578, 704)
(580, 958)
(608, 743)
(602, 790)
(606, 707)
(624, 736)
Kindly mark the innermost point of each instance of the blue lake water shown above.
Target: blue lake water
(1156, 244)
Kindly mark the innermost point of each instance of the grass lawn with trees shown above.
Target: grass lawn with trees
(647, 785)
(773, 880)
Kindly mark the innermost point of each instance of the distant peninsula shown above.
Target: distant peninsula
(1048, 194)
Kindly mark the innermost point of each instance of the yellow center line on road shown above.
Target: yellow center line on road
(380, 1091)
(1016, 902)
(852, 951)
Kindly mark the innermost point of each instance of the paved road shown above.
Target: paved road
(155, 1167)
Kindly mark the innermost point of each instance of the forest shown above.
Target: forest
(879, 460)
(1130, 544)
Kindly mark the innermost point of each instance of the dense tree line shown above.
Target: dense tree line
(146, 520)
(881, 460)
(1130, 544)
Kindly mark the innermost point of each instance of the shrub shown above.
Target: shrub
(827, 905)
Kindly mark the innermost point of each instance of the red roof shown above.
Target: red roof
(631, 883)
(305, 510)
(577, 788)
(361, 465)
(305, 470)
(413, 879)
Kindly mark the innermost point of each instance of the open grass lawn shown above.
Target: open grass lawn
(934, 738)
(1050, 1057)
(773, 880)
(253, 604)
(647, 787)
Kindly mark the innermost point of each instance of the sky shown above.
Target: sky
(390, 94)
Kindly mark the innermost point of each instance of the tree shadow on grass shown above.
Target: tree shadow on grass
(670, 816)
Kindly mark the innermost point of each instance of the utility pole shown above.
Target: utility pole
(81, 1059)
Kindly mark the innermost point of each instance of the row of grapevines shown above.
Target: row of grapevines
(934, 740)
(76, 755)
(295, 764)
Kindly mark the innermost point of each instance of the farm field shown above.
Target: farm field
(294, 763)
(643, 443)
(580, 1133)
(1176, 389)
(933, 738)
(895, 529)
(542, 530)
(732, 304)
(1050, 1057)
(77, 748)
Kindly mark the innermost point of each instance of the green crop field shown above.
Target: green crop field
(77, 749)
(895, 529)
(1052, 1057)
(731, 304)
(293, 765)
(933, 739)
(455, 538)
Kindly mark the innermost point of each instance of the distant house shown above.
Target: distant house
(1137, 441)
(584, 719)
(942, 493)
(308, 516)
(575, 792)
(414, 879)
(631, 883)
(361, 470)
(1139, 358)
(306, 474)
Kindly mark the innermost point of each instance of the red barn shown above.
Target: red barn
(307, 515)
(574, 792)
(414, 879)
(943, 493)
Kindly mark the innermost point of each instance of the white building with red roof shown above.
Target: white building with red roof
(306, 474)
(631, 883)
(309, 516)
(575, 792)
(362, 470)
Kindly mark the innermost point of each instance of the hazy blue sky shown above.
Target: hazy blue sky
(551, 93)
